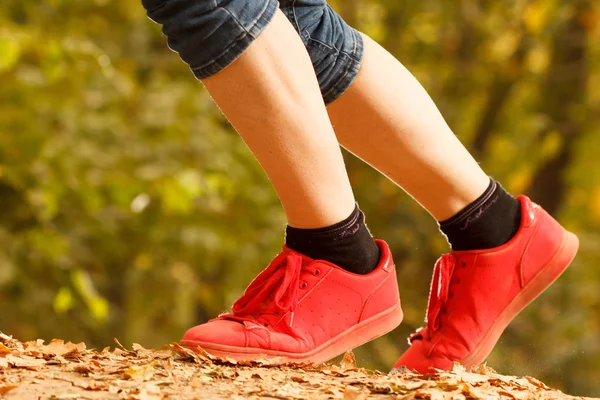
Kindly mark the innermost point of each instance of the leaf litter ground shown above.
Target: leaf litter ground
(59, 370)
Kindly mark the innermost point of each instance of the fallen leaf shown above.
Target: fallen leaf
(26, 362)
(348, 363)
(55, 348)
(506, 393)
(5, 338)
(200, 381)
(189, 355)
(66, 396)
(482, 369)
(86, 384)
(6, 387)
(381, 388)
(472, 378)
(353, 393)
(205, 353)
(122, 348)
(83, 368)
(537, 383)
(137, 347)
(149, 391)
(400, 370)
(140, 372)
(4, 350)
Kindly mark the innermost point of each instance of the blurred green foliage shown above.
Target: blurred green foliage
(130, 208)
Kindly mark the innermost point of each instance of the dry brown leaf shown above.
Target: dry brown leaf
(200, 381)
(86, 384)
(381, 388)
(149, 391)
(7, 387)
(140, 372)
(482, 369)
(122, 349)
(435, 395)
(55, 348)
(506, 393)
(26, 362)
(485, 391)
(189, 355)
(4, 350)
(83, 368)
(205, 354)
(537, 383)
(473, 378)
(353, 393)
(457, 368)
(348, 363)
(405, 385)
(422, 394)
(5, 338)
(138, 347)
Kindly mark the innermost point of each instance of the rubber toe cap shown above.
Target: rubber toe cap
(218, 331)
(416, 359)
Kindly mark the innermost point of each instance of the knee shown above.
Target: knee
(305, 15)
(334, 47)
(210, 34)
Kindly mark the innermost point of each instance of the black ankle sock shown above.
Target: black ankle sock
(488, 222)
(348, 243)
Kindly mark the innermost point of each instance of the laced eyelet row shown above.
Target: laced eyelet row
(303, 285)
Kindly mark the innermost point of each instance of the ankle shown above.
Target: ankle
(489, 221)
(347, 244)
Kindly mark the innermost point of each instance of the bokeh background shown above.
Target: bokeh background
(130, 208)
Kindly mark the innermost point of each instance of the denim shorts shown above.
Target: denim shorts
(210, 34)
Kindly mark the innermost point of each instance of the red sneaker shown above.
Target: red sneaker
(304, 310)
(475, 294)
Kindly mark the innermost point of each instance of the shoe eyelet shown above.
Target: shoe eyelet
(464, 264)
(276, 312)
(303, 285)
(317, 272)
(451, 294)
(457, 280)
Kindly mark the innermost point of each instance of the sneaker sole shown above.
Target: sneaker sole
(545, 277)
(361, 333)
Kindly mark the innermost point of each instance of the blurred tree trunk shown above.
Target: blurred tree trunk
(499, 90)
(349, 11)
(395, 24)
(562, 99)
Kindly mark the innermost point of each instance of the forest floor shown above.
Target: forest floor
(58, 370)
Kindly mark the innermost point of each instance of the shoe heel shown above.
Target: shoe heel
(532, 290)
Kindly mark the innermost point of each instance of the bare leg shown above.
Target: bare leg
(271, 96)
(400, 131)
